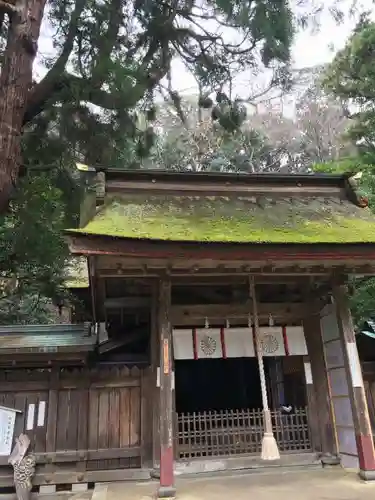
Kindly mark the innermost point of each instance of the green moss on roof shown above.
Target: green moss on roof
(234, 220)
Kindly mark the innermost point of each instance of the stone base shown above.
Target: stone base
(367, 475)
(77, 487)
(166, 492)
(155, 473)
(329, 460)
(47, 489)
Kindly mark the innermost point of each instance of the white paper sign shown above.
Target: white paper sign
(41, 413)
(30, 417)
(355, 367)
(7, 420)
(308, 373)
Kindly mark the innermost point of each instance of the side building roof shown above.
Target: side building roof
(52, 340)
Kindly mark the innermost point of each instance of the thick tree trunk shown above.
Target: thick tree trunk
(15, 82)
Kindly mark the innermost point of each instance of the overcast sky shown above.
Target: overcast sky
(310, 49)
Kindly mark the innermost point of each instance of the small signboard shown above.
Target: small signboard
(7, 421)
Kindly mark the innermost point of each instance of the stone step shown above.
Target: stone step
(241, 463)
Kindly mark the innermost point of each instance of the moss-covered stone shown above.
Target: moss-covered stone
(235, 220)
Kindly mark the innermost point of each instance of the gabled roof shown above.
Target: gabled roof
(231, 208)
(45, 339)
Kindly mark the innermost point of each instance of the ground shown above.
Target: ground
(307, 485)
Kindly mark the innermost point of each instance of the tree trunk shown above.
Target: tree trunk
(25, 18)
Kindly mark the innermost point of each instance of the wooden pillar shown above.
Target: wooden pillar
(315, 349)
(277, 382)
(166, 487)
(361, 419)
(312, 407)
(154, 386)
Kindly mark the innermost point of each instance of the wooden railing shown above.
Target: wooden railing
(225, 433)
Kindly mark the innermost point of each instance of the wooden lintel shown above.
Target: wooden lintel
(196, 314)
(270, 276)
(127, 302)
(236, 279)
(351, 255)
(173, 188)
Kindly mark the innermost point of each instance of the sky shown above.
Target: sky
(310, 49)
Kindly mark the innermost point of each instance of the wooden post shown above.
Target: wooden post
(166, 487)
(312, 407)
(154, 389)
(361, 419)
(315, 349)
(277, 383)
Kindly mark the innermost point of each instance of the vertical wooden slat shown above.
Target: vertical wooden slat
(125, 417)
(72, 427)
(146, 417)
(94, 419)
(114, 419)
(52, 410)
(62, 420)
(134, 416)
(20, 404)
(40, 430)
(103, 429)
(83, 413)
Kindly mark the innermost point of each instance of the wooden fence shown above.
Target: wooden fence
(225, 433)
(78, 420)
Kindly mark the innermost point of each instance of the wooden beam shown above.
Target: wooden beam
(336, 254)
(182, 188)
(194, 315)
(263, 276)
(235, 279)
(128, 303)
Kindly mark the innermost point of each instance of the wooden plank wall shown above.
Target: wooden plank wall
(368, 370)
(92, 418)
(339, 389)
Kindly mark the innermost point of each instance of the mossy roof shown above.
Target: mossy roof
(218, 219)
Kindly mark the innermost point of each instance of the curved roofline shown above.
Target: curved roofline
(226, 177)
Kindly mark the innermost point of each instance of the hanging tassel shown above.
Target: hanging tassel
(270, 449)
